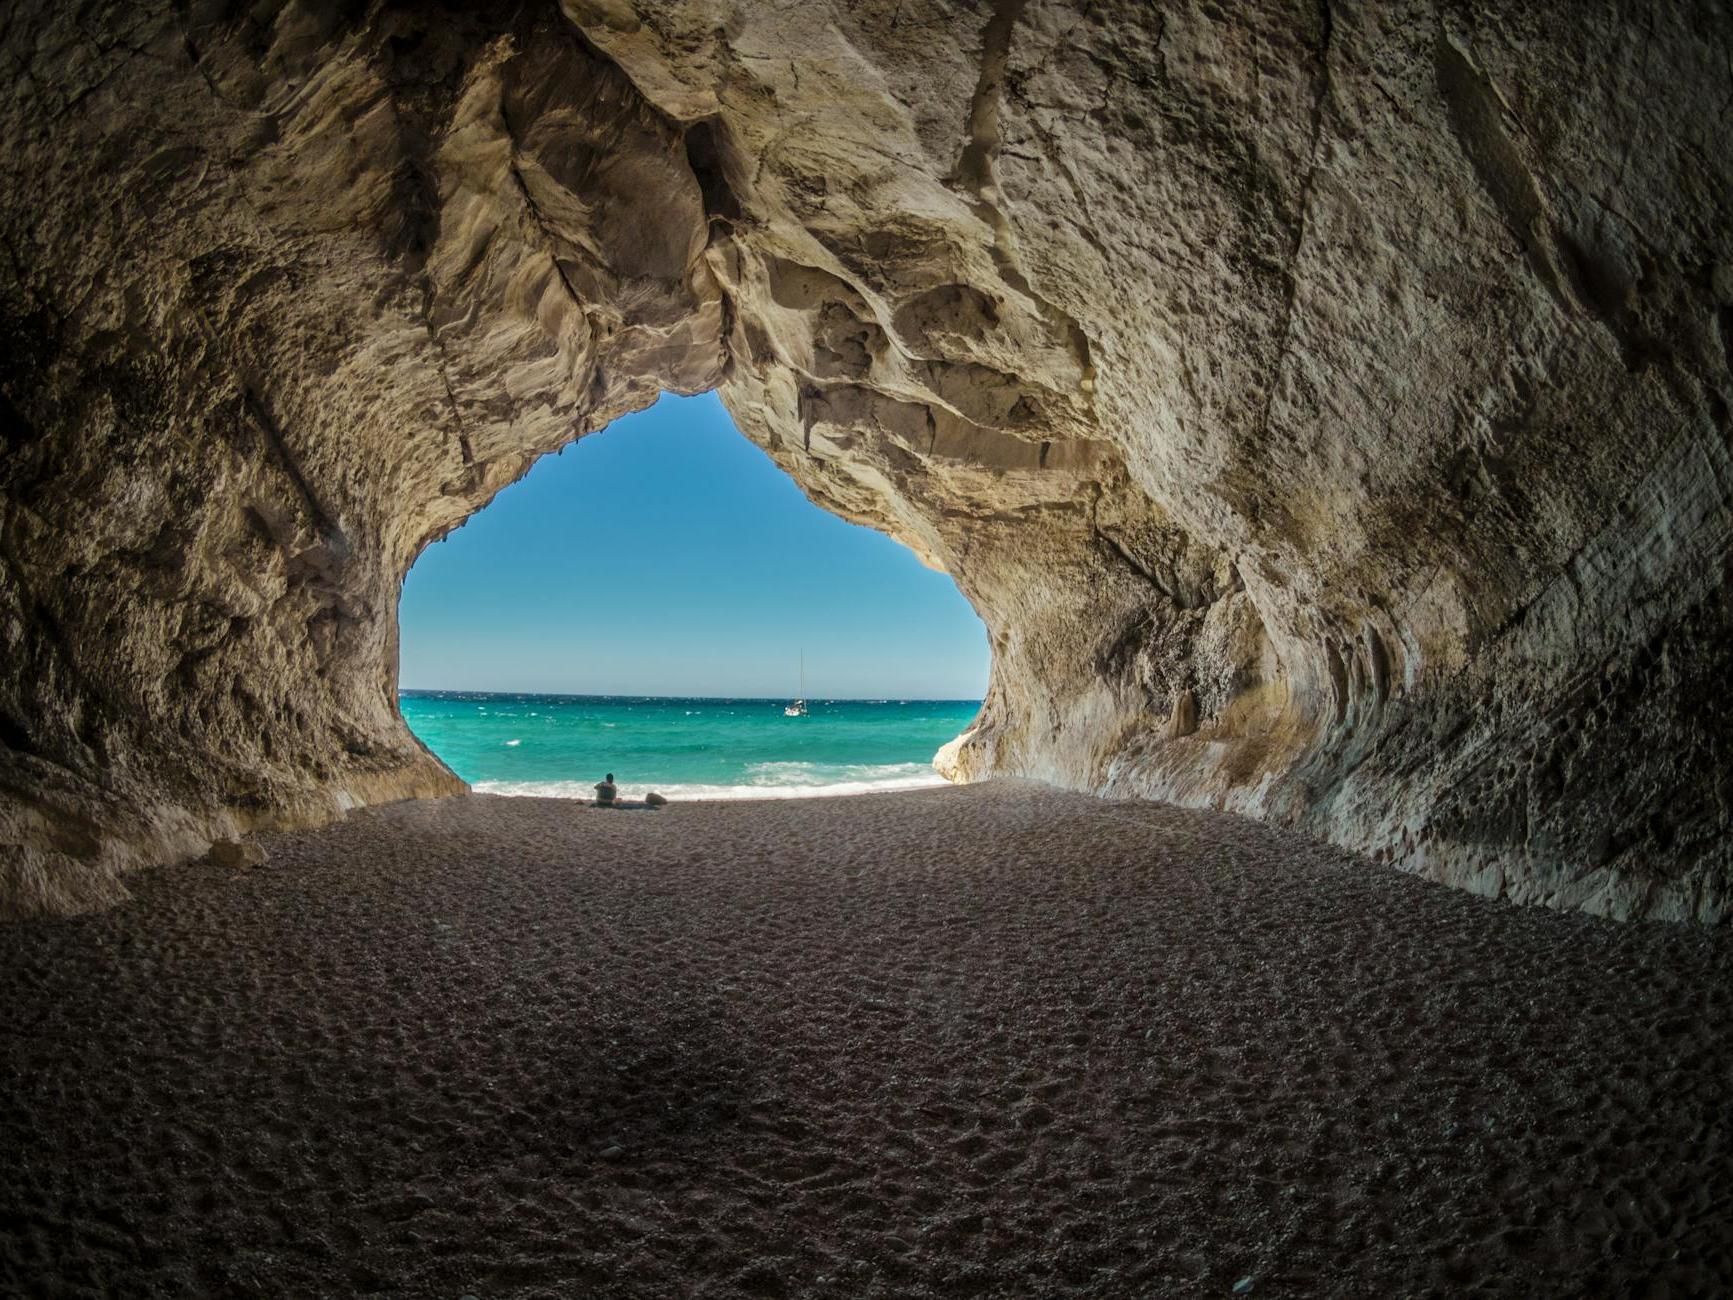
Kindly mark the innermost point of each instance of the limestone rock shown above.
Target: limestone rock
(1183, 720)
(948, 762)
(1360, 373)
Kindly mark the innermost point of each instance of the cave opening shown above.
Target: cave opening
(653, 601)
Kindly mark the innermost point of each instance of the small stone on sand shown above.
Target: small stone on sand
(236, 854)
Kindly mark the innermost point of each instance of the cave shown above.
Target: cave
(1326, 408)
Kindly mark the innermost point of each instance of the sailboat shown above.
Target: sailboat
(798, 708)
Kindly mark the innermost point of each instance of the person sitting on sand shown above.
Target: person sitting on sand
(606, 792)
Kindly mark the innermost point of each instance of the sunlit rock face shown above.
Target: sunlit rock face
(1326, 409)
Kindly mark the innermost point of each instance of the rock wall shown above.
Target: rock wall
(1327, 409)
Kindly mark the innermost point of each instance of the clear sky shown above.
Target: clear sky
(668, 555)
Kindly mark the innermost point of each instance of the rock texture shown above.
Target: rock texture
(1327, 409)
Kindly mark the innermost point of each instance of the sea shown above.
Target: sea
(561, 745)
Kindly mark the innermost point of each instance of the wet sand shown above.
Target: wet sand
(993, 1041)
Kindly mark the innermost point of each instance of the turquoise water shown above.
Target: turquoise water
(696, 749)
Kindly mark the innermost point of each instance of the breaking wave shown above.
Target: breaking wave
(765, 781)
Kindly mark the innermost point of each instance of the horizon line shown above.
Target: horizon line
(640, 695)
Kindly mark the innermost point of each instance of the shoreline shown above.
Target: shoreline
(691, 792)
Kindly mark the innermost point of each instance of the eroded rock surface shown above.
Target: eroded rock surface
(1327, 409)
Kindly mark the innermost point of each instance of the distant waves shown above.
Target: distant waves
(778, 780)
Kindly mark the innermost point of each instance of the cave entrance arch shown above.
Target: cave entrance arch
(1285, 485)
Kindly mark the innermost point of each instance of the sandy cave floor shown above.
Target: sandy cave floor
(994, 1040)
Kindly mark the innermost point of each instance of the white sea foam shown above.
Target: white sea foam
(769, 781)
(510, 743)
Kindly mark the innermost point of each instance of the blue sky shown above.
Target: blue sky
(667, 555)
